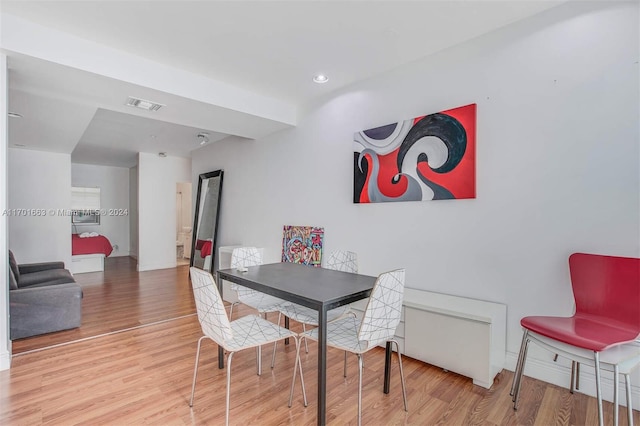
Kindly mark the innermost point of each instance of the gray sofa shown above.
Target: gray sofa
(43, 297)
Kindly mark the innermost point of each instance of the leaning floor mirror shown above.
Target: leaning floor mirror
(205, 223)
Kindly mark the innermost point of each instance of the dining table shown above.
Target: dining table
(320, 289)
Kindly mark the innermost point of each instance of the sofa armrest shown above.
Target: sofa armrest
(47, 295)
(28, 268)
(39, 310)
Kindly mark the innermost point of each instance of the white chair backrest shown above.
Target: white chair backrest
(345, 261)
(243, 257)
(211, 313)
(382, 315)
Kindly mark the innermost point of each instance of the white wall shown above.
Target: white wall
(157, 179)
(41, 181)
(5, 343)
(133, 211)
(114, 200)
(557, 168)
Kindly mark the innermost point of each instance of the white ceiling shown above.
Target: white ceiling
(268, 48)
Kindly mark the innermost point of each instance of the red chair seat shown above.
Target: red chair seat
(583, 331)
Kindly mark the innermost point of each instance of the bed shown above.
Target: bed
(88, 253)
(205, 247)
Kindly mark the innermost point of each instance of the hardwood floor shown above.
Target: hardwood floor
(120, 298)
(143, 376)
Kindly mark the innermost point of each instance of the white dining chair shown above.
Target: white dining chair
(345, 261)
(243, 257)
(247, 332)
(378, 325)
(338, 260)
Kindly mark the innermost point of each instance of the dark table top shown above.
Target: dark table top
(304, 285)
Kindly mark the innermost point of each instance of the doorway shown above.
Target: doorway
(183, 223)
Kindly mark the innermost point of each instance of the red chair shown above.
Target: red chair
(603, 330)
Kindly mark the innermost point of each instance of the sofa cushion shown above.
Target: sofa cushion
(45, 278)
(14, 266)
(13, 284)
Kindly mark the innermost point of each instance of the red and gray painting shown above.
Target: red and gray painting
(426, 158)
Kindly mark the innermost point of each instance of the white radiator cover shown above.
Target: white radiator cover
(466, 336)
(462, 335)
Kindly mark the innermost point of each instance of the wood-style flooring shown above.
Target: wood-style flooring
(121, 298)
(143, 376)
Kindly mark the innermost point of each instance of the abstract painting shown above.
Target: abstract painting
(302, 244)
(432, 157)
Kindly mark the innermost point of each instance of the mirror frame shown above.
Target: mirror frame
(194, 237)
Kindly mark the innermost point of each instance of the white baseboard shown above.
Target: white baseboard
(559, 373)
(119, 253)
(5, 361)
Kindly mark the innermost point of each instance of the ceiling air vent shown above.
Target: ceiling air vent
(143, 104)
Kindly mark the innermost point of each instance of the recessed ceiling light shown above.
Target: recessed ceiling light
(143, 104)
(14, 115)
(320, 78)
(162, 154)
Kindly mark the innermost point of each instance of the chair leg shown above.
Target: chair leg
(195, 371)
(228, 386)
(518, 378)
(231, 310)
(304, 392)
(575, 376)
(616, 399)
(360, 368)
(345, 364)
(518, 364)
(259, 359)
(627, 385)
(596, 358)
(306, 347)
(298, 364)
(273, 355)
(275, 344)
(404, 389)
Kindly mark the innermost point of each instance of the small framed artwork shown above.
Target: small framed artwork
(85, 217)
(302, 244)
